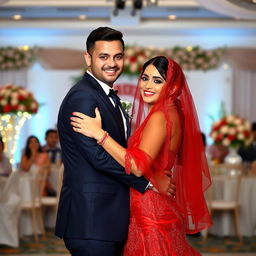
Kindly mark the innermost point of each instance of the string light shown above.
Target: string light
(10, 127)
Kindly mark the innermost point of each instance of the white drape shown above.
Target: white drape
(244, 93)
(17, 77)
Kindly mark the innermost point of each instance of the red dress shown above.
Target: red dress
(156, 225)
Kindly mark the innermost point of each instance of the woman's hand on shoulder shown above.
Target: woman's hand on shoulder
(87, 125)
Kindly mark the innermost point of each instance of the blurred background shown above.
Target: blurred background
(41, 57)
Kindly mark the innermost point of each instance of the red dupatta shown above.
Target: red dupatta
(190, 168)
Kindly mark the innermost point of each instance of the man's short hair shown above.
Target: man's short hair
(103, 34)
(50, 131)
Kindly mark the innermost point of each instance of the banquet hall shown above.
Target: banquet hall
(41, 57)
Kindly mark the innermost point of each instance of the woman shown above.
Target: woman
(167, 139)
(33, 158)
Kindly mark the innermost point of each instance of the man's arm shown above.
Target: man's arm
(92, 152)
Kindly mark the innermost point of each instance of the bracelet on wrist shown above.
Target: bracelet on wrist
(103, 139)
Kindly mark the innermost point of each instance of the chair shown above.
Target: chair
(10, 211)
(34, 205)
(53, 201)
(230, 174)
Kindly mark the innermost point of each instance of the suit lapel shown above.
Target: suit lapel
(93, 83)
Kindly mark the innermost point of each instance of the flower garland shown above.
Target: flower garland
(14, 99)
(16, 58)
(231, 131)
(189, 58)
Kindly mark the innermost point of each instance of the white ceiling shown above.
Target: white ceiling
(61, 16)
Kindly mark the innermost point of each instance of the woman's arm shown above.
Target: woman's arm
(151, 142)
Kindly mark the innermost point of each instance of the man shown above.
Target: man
(93, 212)
(51, 147)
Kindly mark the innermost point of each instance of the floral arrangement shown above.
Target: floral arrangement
(126, 106)
(231, 131)
(16, 58)
(189, 58)
(14, 99)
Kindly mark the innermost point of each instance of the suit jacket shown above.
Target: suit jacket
(94, 199)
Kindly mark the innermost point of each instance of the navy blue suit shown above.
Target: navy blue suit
(94, 200)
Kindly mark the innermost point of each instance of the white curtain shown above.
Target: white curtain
(17, 77)
(244, 93)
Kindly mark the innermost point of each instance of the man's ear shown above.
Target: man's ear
(88, 59)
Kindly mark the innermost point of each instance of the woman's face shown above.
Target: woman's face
(151, 84)
(33, 144)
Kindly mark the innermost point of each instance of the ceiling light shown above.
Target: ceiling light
(82, 17)
(172, 17)
(152, 2)
(17, 17)
(254, 1)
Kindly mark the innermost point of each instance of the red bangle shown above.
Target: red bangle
(103, 139)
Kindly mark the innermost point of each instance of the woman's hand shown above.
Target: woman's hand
(87, 125)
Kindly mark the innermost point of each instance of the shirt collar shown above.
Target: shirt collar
(104, 86)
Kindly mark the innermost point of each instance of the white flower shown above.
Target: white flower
(23, 92)
(230, 118)
(214, 135)
(21, 107)
(14, 102)
(126, 106)
(240, 128)
(237, 121)
(247, 125)
(232, 131)
(133, 67)
(224, 129)
(3, 102)
(129, 52)
(141, 59)
(240, 136)
(226, 142)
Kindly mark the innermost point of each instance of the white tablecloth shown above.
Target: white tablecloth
(223, 221)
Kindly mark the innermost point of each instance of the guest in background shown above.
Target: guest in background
(33, 158)
(248, 154)
(51, 147)
(5, 166)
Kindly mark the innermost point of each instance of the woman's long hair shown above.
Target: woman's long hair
(27, 150)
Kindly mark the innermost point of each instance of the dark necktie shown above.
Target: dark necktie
(113, 95)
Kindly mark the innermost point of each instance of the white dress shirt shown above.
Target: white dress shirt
(106, 89)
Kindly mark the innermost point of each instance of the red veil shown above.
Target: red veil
(190, 168)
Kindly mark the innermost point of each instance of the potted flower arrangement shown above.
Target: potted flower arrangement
(16, 105)
(234, 132)
(14, 99)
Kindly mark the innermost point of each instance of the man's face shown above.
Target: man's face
(52, 139)
(106, 61)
